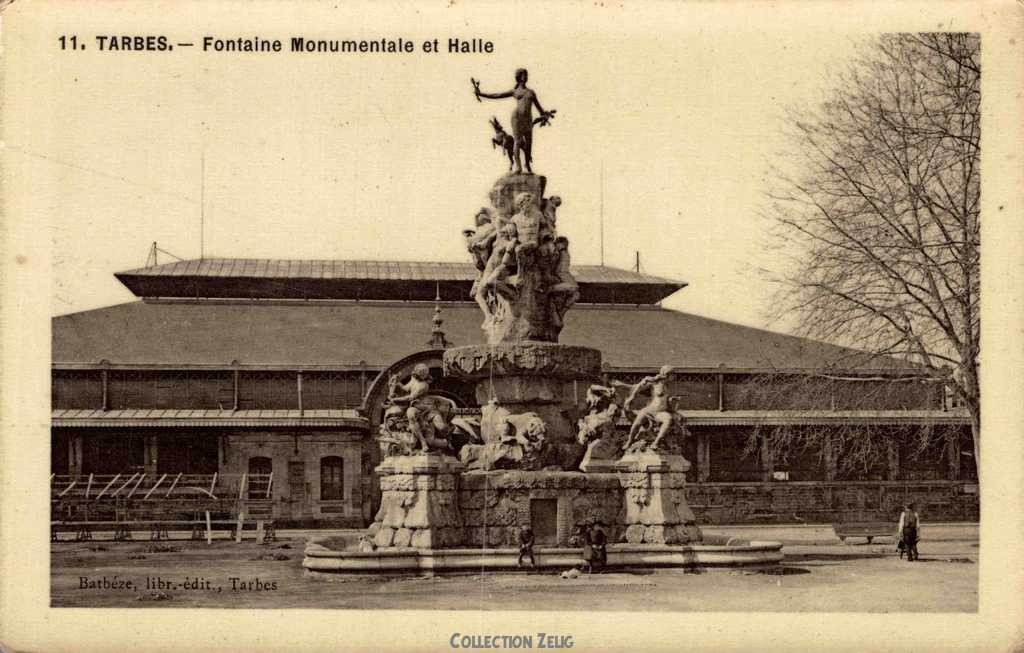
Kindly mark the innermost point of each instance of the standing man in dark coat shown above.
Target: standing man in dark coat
(908, 531)
(581, 537)
(599, 542)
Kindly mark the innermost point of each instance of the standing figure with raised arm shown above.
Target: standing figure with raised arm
(522, 117)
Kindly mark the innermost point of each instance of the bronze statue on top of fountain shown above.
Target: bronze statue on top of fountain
(519, 146)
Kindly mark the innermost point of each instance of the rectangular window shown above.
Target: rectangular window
(332, 476)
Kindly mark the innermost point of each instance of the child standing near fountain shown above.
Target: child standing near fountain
(526, 540)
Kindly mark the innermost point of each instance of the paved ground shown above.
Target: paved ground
(819, 575)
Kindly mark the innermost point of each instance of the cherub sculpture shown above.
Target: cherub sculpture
(522, 117)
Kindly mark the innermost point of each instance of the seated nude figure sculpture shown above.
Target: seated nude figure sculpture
(419, 412)
(657, 411)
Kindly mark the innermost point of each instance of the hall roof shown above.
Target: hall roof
(373, 334)
(141, 417)
(338, 279)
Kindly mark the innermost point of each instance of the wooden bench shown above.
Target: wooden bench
(869, 530)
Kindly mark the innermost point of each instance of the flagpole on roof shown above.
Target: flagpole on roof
(202, 204)
(600, 212)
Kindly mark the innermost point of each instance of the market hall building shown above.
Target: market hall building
(278, 369)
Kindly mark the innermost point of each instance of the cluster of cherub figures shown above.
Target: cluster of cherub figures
(505, 250)
(650, 424)
(416, 421)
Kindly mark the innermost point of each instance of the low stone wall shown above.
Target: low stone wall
(503, 498)
(827, 502)
(508, 500)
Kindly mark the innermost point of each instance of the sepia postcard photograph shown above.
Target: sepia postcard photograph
(431, 326)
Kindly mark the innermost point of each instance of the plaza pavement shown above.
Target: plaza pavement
(820, 574)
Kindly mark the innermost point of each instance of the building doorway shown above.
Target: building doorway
(297, 487)
(544, 520)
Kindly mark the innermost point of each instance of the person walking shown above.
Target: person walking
(908, 531)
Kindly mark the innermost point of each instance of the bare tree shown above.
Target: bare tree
(849, 448)
(875, 215)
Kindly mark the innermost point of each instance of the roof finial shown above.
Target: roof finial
(437, 337)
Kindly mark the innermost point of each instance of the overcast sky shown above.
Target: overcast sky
(388, 156)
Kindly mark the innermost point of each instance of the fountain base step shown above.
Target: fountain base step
(320, 559)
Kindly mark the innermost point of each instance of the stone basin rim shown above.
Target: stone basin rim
(316, 550)
(322, 562)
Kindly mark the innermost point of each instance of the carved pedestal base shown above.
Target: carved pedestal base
(531, 378)
(419, 502)
(495, 505)
(505, 189)
(656, 511)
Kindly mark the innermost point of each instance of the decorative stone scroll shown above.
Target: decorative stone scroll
(522, 359)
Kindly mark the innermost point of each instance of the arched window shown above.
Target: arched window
(260, 469)
(332, 479)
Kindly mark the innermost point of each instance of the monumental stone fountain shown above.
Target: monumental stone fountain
(457, 488)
